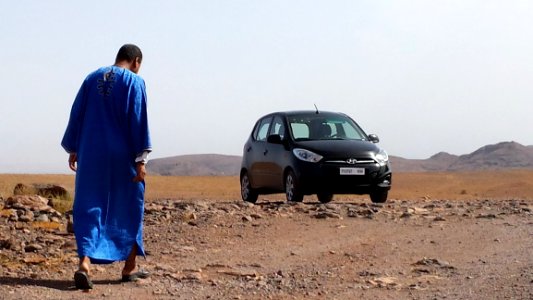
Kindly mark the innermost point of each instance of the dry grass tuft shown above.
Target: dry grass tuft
(62, 206)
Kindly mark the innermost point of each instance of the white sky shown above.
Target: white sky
(426, 76)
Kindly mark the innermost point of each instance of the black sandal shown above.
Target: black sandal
(142, 274)
(82, 280)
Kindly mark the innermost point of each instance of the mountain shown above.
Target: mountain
(508, 155)
(504, 155)
(195, 165)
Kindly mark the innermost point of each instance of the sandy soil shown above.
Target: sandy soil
(423, 249)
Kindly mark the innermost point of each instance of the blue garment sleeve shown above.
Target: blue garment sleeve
(70, 140)
(138, 118)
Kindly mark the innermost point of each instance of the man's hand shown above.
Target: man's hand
(141, 172)
(72, 159)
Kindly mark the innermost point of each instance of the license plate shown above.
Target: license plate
(352, 171)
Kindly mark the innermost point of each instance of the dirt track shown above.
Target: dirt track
(431, 249)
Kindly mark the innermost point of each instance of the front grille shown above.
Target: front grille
(345, 162)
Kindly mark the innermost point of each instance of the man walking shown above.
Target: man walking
(108, 140)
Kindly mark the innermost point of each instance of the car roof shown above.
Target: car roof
(304, 112)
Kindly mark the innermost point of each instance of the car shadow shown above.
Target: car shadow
(56, 284)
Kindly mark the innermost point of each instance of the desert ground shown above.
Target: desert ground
(439, 236)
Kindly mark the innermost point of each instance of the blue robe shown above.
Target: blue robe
(108, 129)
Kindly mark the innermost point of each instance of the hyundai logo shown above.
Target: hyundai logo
(351, 161)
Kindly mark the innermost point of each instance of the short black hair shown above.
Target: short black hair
(129, 52)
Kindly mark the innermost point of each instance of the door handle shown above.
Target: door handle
(265, 152)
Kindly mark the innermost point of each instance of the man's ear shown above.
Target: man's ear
(136, 65)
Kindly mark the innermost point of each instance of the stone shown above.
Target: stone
(247, 218)
(32, 202)
(70, 225)
(7, 243)
(256, 216)
(33, 247)
(327, 214)
(7, 213)
(188, 216)
(42, 218)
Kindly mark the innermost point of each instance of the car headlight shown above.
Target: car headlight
(306, 155)
(382, 157)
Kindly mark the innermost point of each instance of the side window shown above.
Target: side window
(261, 131)
(278, 127)
(300, 130)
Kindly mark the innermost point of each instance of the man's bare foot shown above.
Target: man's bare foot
(84, 265)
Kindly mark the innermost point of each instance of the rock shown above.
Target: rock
(31, 202)
(247, 218)
(188, 216)
(365, 212)
(69, 245)
(33, 248)
(7, 243)
(384, 282)
(202, 205)
(417, 210)
(327, 214)
(34, 259)
(432, 263)
(42, 218)
(406, 215)
(70, 225)
(486, 216)
(256, 216)
(7, 213)
(187, 249)
(27, 217)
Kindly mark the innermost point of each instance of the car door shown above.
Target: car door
(275, 155)
(256, 153)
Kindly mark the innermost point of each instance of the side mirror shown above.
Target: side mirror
(274, 139)
(373, 138)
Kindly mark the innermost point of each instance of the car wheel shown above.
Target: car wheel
(292, 188)
(248, 194)
(379, 196)
(324, 197)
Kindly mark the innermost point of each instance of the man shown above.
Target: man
(108, 140)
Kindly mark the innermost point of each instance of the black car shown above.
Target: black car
(310, 152)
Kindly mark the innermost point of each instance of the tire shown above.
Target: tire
(324, 197)
(248, 194)
(379, 196)
(292, 188)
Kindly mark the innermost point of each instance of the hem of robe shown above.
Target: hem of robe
(104, 261)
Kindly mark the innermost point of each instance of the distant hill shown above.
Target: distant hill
(504, 155)
(195, 165)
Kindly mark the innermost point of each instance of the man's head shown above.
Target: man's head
(130, 57)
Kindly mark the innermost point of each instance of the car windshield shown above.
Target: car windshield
(324, 127)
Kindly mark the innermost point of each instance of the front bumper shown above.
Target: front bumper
(325, 177)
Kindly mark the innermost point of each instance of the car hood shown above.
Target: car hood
(340, 148)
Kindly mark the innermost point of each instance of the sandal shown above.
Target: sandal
(82, 280)
(142, 274)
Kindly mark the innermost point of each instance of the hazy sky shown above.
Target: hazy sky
(426, 76)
